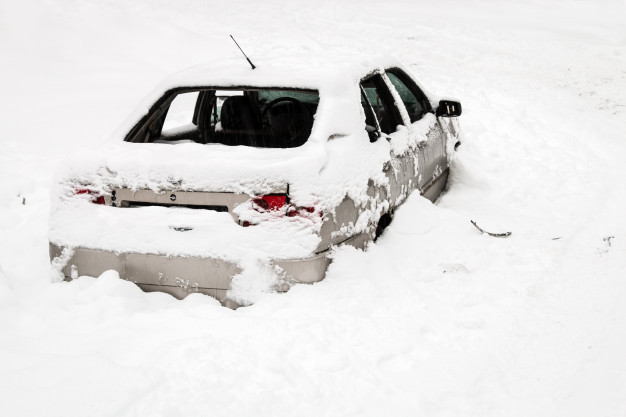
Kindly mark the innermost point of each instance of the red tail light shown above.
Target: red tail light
(95, 198)
(280, 204)
(271, 201)
(298, 211)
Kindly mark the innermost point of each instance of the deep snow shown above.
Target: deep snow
(434, 319)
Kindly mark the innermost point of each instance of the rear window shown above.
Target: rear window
(264, 118)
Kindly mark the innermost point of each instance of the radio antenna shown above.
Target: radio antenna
(244, 54)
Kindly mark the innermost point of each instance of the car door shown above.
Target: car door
(432, 160)
(383, 117)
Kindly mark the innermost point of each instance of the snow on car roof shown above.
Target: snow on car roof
(300, 71)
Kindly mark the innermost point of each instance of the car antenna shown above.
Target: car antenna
(244, 54)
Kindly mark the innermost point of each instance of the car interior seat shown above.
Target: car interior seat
(240, 120)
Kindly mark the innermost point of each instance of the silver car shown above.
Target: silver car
(227, 173)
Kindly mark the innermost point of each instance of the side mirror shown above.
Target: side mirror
(448, 108)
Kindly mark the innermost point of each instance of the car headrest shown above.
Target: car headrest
(238, 113)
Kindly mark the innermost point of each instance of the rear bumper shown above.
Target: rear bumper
(177, 275)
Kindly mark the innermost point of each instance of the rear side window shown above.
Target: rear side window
(414, 100)
(266, 118)
(381, 102)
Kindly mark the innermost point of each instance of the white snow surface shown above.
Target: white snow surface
(434, 319)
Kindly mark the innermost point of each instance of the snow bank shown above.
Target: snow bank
(5, 291)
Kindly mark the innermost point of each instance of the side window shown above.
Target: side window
(414, 100)
(381, 103)
(179, 117)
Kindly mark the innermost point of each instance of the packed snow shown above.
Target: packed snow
(433, 319)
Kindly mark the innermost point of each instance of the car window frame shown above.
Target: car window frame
(376, 134)
(387, 99)
(408, 81)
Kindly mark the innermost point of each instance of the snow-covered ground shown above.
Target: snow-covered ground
(434, 319)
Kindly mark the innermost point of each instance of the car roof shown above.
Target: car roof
(309, 71)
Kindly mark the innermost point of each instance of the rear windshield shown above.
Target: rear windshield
(264, 118)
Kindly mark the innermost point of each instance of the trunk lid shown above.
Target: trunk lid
(200, 200)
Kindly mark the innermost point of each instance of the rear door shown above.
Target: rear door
(432, 170)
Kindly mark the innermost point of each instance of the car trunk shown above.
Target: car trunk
(186, 200)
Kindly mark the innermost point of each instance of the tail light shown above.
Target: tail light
(299, 211)
(95, 198)
(275, 203)
(271, 201)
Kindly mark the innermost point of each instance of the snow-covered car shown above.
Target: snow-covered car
(228, 176)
